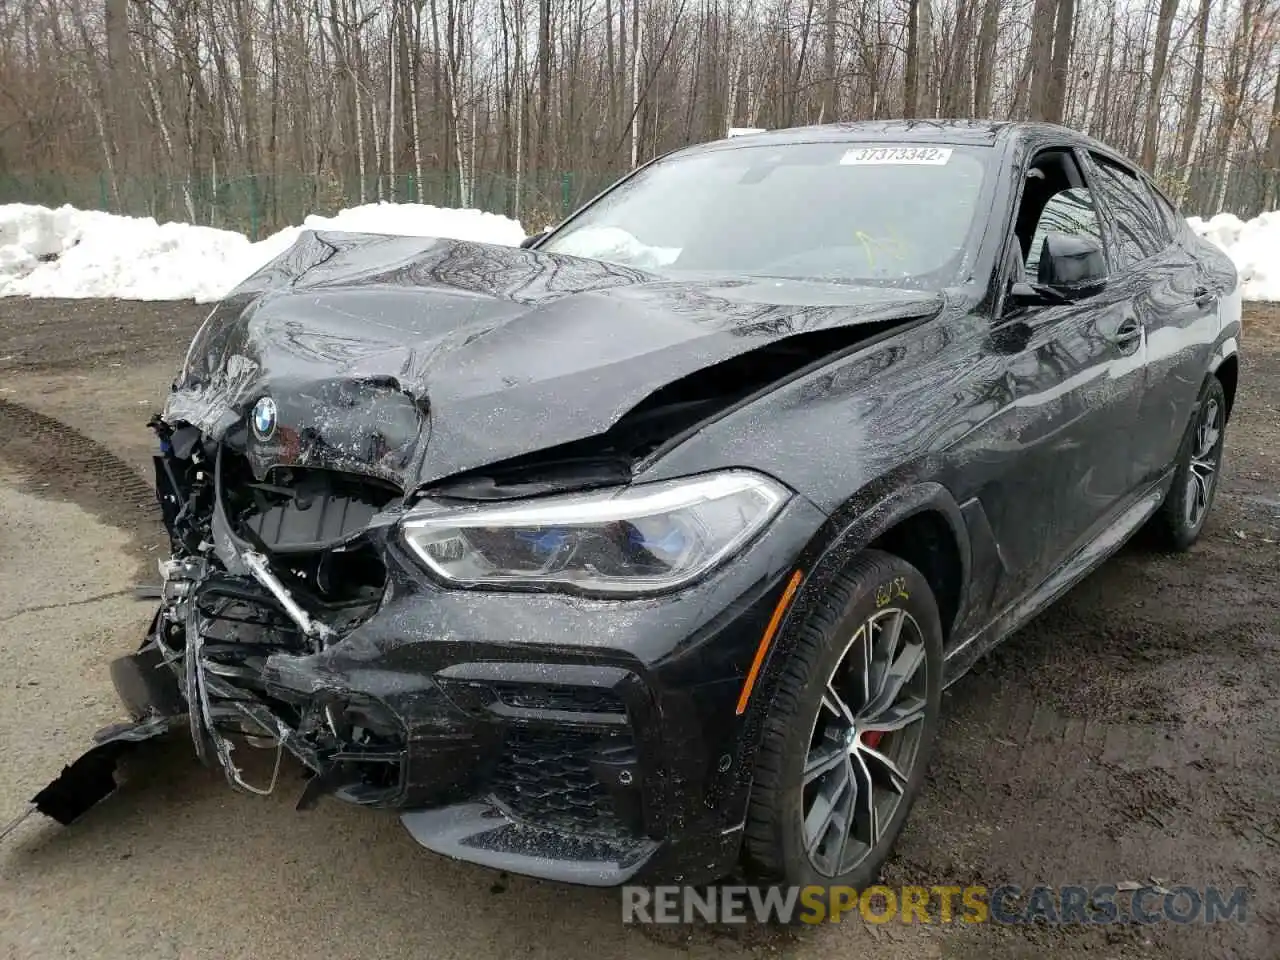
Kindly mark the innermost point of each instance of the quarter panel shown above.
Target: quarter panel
(1181, 334)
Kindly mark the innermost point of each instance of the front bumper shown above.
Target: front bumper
(586, 741)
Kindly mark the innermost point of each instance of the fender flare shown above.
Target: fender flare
(1224, 351)
(848, 531)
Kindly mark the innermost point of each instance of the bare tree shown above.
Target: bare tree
(1151, 128)
(255, 112)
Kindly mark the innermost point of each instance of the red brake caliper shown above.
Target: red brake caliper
(872, 738)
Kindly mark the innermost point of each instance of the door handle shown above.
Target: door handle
(1204, 297)
(1128, 335)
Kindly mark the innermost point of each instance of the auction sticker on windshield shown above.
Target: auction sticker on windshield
(865, 156)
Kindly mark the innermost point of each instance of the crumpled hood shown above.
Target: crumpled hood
(414, 359)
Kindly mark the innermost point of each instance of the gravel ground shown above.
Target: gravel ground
(1131, 732)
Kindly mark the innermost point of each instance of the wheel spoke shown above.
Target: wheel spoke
(902, 670)
(826, 810)
(819, 763)
(881, 650)
(867, 645)
(866, 817)
(847, 815)
(1196, 497)
(1209, 441)
(894, 777)
(896, 717)
(1208, 434)
(835, 703)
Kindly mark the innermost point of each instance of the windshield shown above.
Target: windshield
(900, 214)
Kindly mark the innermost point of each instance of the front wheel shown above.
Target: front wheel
(1181, 517)
(850, 729)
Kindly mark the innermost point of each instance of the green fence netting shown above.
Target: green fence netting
(259, 205)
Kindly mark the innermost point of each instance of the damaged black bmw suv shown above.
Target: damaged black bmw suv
(645, 551)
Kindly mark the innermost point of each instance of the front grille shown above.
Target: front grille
(296, 509)
(546, 778)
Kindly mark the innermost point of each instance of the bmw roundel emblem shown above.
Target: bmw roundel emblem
(264, 418)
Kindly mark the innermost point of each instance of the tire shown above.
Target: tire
(804, 729)
(1180, 519)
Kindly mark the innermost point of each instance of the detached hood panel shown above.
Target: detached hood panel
(414, 359)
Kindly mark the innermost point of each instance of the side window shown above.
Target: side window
(1069, 211)
(1140, 232)
(1173, 221)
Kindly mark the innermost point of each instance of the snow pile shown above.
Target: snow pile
(86, 253)
(1253, 246)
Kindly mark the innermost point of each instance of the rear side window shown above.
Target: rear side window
(1140, 231)
(1173, 221)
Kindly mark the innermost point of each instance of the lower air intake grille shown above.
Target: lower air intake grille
(546, 779)
(529, 696)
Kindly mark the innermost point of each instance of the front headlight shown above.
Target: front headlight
(624, 540)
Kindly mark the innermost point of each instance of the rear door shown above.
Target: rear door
(1171, 300)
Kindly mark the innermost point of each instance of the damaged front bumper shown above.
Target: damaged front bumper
(590, 741)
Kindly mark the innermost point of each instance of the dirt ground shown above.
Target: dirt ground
(1131, 732)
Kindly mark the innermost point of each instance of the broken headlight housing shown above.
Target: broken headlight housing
(624, 540)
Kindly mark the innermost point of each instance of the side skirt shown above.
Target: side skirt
(1083, 562)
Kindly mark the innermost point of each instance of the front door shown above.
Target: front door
(1074, 382)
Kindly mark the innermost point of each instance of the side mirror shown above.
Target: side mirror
(1072, 264)
(530, 241)
(1023, 294)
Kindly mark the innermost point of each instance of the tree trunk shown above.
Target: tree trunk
(927, 101)
(983, 79)
(544, 85)
(831, 101)
(1039, 63)
(1055, 103)
(415, 62)
(1103, 124)
(635, 81)
(635, 85)
(957, 78)
(116, 88)
(392, 118)
(1272, 199)
(1151, 129)
(911, 74)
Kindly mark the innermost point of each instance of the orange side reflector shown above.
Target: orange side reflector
(785, 601)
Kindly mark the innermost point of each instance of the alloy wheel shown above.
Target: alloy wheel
(865, 741)
(1203, 470)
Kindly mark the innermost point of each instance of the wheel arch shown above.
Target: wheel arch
(921, 523)
(886, 517)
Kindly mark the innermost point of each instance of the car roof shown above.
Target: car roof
(987, 133)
